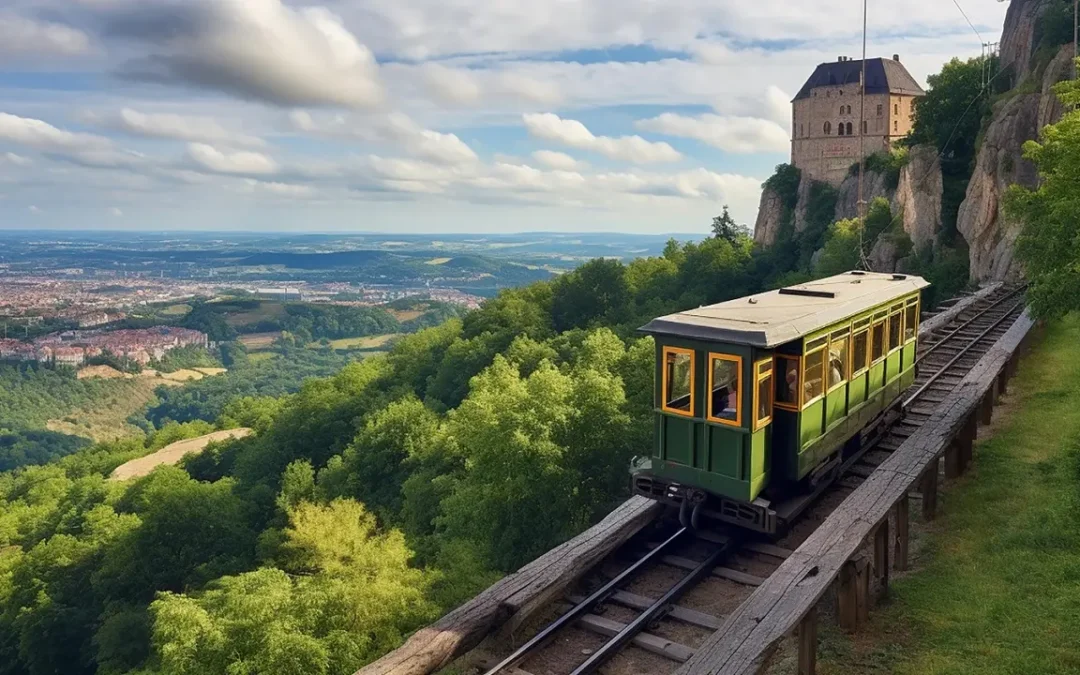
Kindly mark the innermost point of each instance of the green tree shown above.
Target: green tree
(952, 112)
(1049, 244)
(725, 227)
(842, 248)
(596, 291)
(345, 595)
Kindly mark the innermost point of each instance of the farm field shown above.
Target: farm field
(257, 341)
(993, 591)
(173, 453)
(369, 342)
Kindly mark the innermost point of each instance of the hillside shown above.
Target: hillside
(945, 188)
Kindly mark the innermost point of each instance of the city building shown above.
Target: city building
(826, 138)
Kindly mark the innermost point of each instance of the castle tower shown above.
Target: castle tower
(825, 124)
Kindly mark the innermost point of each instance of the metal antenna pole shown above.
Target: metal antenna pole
(862, 120)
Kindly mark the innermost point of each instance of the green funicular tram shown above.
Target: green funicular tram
(760, 400)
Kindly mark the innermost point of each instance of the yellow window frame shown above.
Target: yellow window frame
(798, 384)
(824, 376)
(884, 322)
(737, 360)
(847, 365)
(763, 422)
(664, 380)
(917, 303)
(866, 362)
(895, 311)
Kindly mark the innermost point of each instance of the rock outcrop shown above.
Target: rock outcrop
(803, 205)
(874, 186)
(769, 216)
(918, 196)
(1018, 40)
(990, 235)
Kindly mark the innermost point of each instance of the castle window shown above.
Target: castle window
(841, 110)
(840, 129)
(896, 126)
(828, 128)
(849, 129)
(896, 108)
(849, 110)
(880, 110)
(801, 130)
(864, 129)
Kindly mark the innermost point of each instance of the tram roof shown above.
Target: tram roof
(778, 317)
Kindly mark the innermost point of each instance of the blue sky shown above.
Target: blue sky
(421, 115)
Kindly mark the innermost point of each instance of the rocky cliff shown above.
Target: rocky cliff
(770, 215)
(918, 196)
(1000, 163)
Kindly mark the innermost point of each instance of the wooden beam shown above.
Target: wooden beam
(953, 465)
(852, 594)
(986, 408)
(882, 546)
(517, 596)
(641, 603)
(752, 633)
(722, 572)
(929, 489)
(903, 524)
(648, 642)
(808, 643)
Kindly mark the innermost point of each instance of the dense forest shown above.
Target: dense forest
(368, 502)
(206, 399)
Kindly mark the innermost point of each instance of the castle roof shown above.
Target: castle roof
(883, 76)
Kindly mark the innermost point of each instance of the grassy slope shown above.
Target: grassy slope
(106, 418)
(998, 585)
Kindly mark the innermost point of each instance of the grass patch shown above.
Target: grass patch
(369, 342)
(256, 357)
(438, 261)
(176, 310)
(997, 591)
(106, 418)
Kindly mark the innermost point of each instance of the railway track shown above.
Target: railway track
(650, 605)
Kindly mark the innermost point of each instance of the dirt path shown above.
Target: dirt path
(173, 453)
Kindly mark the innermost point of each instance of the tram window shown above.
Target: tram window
(787, 382)
(813, 376)
(894, 330)
(911, 320)
(725, 388)
(763, 394)
(877, 341)
(678, 387)
(860, 349)
(838, 358)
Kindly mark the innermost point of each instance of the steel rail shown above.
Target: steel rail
(941, 371)
(584, 607)
(655, 611)
(967, 323)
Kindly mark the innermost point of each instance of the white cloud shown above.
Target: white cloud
(280, 189)
(24, 36)
(115, 211)
(778, 107)
(41, 135)
(744, 135)
(33, 209)
(533, 90)
(254, 49)
(395, 128)
(450, 85)
(241, 162)
(190, 128)
(12, 158)
(557, 160)
(551, 127)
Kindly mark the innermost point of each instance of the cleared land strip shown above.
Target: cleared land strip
(751, 634)
(173, 453)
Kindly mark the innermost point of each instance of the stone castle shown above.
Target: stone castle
(825, 118)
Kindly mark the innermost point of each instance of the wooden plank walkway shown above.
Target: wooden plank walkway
(786, 602)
